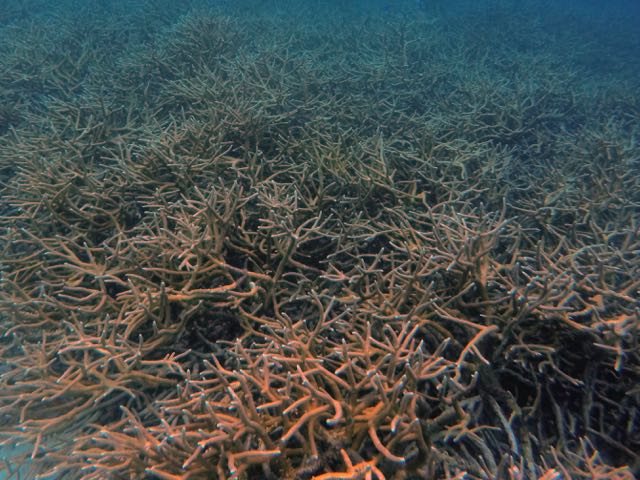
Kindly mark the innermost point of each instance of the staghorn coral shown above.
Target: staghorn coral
(233, 247)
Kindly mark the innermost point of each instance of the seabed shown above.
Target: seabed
(309, 240)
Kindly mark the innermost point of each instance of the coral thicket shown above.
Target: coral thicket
(287, 240)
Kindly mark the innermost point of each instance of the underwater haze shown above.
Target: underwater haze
(319, 240)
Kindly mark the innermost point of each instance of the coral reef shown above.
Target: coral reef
(285, 241)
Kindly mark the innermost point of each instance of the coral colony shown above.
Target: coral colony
(284, 240)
